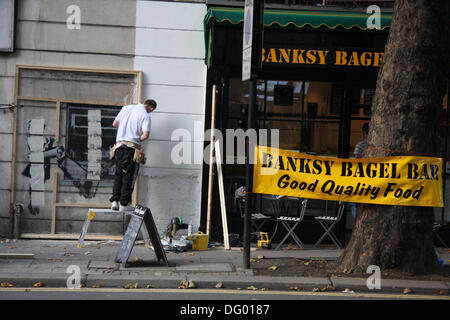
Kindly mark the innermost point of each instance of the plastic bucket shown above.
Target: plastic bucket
(199, 241)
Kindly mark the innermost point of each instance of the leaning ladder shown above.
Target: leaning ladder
(92, 213)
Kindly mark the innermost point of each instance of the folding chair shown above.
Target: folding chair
(257, 219)
(291, 222)
(328, 223)
(436, 227)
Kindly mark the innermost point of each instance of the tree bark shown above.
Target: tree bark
(406, 114)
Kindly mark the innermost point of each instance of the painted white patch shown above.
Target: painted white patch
(36, 126)
(36, 157)
(94, 145)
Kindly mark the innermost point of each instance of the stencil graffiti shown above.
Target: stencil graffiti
(41, 151)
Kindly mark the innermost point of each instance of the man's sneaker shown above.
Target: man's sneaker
(125, 208)
(115, 205)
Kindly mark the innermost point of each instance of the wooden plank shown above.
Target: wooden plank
(139, 87)
(58, 120)
(211, 168)
(16, 256)
(55, 191)
(13, 152)
(135, 194)
(83, 205)
(223, 210)
(48, 99)
(68, 236)
(58, 68)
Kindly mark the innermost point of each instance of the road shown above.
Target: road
(191, 294)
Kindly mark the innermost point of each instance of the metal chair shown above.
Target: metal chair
(290, 223)
(328, 223)
(436, 227)
(258, 220)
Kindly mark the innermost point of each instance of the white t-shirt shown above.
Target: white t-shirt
(133, 122)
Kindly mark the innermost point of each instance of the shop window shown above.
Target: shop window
(79, 148)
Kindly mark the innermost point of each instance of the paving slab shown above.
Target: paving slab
(207, 267)
(28, 279)
(388, 285)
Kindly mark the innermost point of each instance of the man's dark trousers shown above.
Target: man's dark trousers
(126, 173)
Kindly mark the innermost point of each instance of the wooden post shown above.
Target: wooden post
(13, 156)
(223, 208)
(211, 165)
(55, 192)
(58, 119)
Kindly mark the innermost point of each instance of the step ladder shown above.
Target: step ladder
(92, 213)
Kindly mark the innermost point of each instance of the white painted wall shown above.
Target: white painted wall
(170, 52)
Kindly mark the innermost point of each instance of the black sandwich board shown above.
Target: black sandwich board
(140, 215)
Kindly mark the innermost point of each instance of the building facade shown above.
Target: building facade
(74, 63)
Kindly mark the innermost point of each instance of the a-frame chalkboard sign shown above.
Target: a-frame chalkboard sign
(140, 215)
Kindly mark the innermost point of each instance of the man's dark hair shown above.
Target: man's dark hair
(365, 127)
(150, 102)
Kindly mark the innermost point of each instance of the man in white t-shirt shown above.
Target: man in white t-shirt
(133, 125)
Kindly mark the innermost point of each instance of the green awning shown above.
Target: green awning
(298, 19)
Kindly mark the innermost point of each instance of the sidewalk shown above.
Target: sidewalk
(205, 268)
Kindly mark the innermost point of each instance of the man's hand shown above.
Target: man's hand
(145, 136)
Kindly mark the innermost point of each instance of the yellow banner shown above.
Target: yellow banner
(402, 181)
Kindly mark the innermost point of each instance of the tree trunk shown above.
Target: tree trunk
(406, 114)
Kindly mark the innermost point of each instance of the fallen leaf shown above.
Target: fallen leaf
(67, 254)
(87, 253)
(273, 268)
(131, 286)
(27, 290)
(54, 259)
(11, 247)
(296, 288)
(183, 284)
(315, 290)
(348, 291)
(407, 291)
(441, 292)
(191, 284)
(6, 285)
(149, 286)
(306, 264)
(254, 260)
(262, 289)
(219, 285)
(327, 288)
(99, 255)
(252, 288)
(137, 259)
(230, 258)
(289, 247)
(192, 254)
(190, 261)
(38, 285)
(260, 257)
(95, 286)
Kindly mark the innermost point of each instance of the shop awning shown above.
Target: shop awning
(298, 19)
